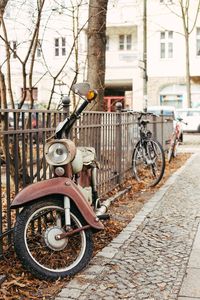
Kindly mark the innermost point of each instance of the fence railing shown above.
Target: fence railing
(22, 139)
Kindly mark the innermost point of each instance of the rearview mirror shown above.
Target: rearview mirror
(81, 88)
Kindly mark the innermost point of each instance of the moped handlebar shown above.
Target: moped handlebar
(84, 91)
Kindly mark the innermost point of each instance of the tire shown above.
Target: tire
(36, 246)
(148, 162)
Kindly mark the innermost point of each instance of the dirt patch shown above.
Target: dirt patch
(21, 285)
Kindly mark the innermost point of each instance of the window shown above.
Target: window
(39, 49)
(60, 46)
(13, 45)
(125, 42)
(166, 44)
(128, 41)
(56, 47)
(198, 41)
(166, 1)
(107, 42)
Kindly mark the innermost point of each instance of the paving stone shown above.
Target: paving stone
(69, 293)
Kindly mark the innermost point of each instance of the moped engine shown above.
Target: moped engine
(84, 164)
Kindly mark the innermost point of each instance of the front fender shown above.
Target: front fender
(59, 186)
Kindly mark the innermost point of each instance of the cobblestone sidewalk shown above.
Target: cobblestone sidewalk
(148, 260)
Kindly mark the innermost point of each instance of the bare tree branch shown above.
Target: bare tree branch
(3, 4)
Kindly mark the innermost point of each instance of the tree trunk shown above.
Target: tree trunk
(96, 49)
(3, 102)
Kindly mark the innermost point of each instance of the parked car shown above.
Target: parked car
(192, 117)
(168, 111)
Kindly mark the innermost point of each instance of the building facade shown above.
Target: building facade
(166, 54)
(57, 63)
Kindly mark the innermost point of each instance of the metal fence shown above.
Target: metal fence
(22, 138)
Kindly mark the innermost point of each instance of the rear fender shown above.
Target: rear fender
(58, 186)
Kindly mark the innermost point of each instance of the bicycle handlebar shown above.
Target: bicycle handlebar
(181, 120)
(146, 114)
(142, 113)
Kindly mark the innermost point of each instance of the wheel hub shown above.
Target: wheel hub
(52, 242)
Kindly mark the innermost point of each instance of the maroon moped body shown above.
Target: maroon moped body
(58, 186)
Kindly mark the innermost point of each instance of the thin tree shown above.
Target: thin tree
(30, 55)
(3, 4)
(97, 48)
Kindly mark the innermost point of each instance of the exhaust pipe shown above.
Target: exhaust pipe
(106, 204)
(103, 208)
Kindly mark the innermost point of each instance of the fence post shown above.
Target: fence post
(162, 133)
(119, 141)
(155, 132)
(66, 105)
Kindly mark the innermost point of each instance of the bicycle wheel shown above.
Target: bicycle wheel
(148, 162)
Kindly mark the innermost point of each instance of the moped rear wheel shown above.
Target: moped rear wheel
(37, 248)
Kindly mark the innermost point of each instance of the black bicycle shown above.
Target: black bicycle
(148, 161)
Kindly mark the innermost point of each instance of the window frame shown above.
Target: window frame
(166, 2)
(14, 49)
(125, 42)
(60, 46)
(39, 49)
(166, 44)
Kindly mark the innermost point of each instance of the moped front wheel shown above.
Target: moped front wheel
(35, 240)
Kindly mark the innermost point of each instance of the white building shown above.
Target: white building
(124, 54)
(166, 53)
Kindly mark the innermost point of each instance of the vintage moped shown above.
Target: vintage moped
(58, 216)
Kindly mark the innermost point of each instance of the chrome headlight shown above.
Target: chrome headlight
(59, 152)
